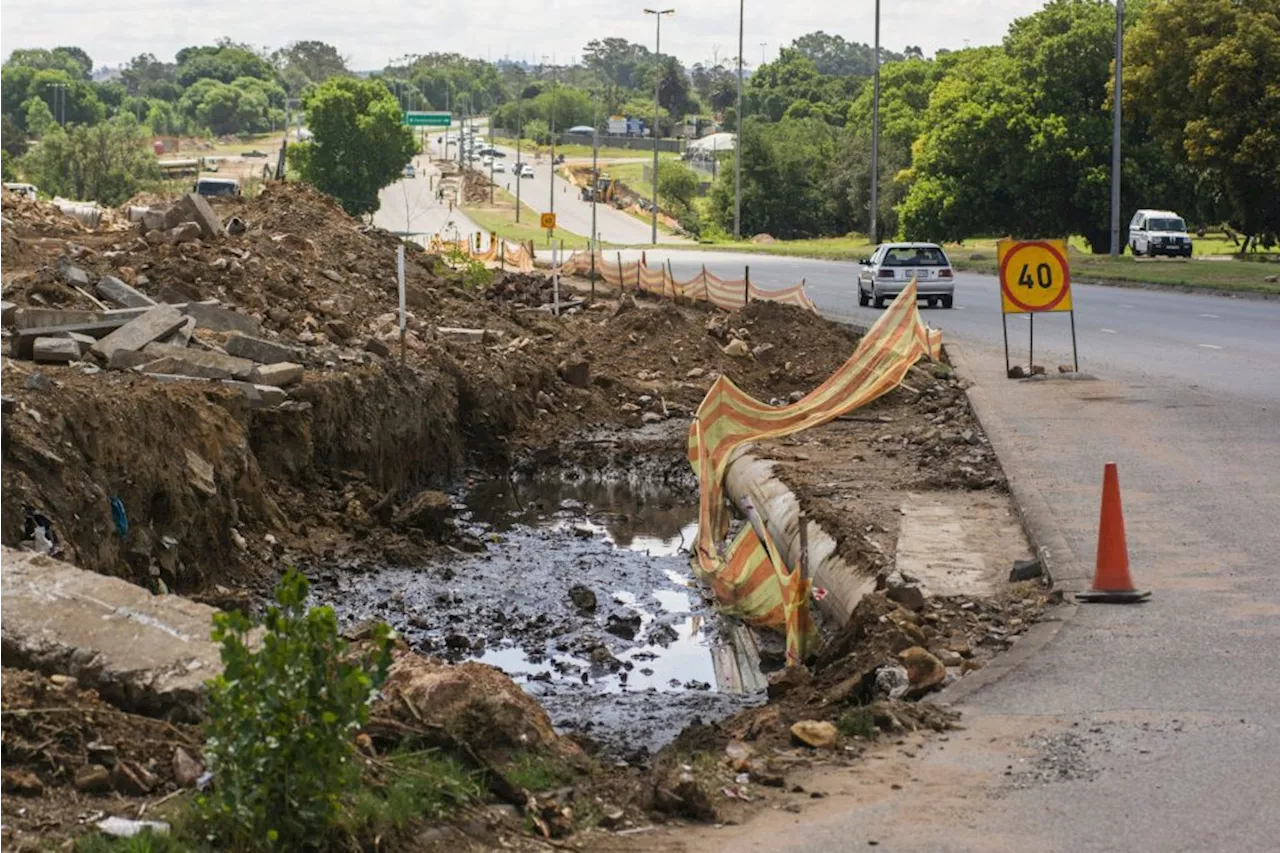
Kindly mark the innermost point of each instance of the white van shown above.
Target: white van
(1159, 232)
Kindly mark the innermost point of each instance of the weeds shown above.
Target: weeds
(535, 772)
(857, 722)
(418, 785)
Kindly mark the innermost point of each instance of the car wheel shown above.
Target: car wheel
(931, 302)
(863, 299)
(1136, 252)
(878, 301)
(946, 301)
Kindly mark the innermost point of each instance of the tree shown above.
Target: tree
(225, 62)
(1203, 74)
(106, 162)
(72, 60)
(77, 98)
(358, 145)
(305, 63)
(146, 76)
(716, 85)
(40, 119)
(793, 77)
(677, 185)
(673, 86)
(616, 61)
(835, 57)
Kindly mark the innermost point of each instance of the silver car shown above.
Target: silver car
(893, 265)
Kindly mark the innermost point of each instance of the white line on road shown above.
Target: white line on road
(1210, 316)
(1209, 346)
(1126, 306)
(1109, 332)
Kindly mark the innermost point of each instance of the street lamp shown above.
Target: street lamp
(657, 87)
(1115, 136)
(875, 130)
(737, 143)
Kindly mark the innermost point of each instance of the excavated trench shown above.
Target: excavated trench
(582, 593)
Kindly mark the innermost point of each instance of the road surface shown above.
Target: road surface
(1151, 727)
(410, 206)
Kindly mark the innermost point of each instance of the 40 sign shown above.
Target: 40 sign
(1034, 276)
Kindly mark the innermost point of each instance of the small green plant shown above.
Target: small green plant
(419, 785)
(475, 274)
(280, 723)
(857, 722)
(144, 842)
(535, 772)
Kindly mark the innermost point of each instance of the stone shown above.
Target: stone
(195, 208)
(696, 373)
(1017, 372)
(651, 418)
(429, 511)
(156, 323)
(377, 347)
(281, 375)
(1025, 570)
(575, 372)
(786, 680)
(102, 753)
(186, 770)
(924, 671)
(144, 653)
(338, 330)
(1066, 368)
(1037, 370)
(818, 734)
(910, 597)
(236, 226)
(195, 363)
(582, 597)
(260, 396)
(152, 220)
(182, 337)
(93, 779)
(55, 350)
(32, 317)
(332, 275)
(183, 232)
(217, 319)
(948, 657)
(72, 274)
(624, 624)
(960, 646)
(258, 349)
(23, 783)
(132, 779)
(114, 290)
(127, 359)
(736, 348)
(7, 312)
(611, 817)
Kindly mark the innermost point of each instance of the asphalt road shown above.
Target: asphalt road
(409, 206)
(1150, 727)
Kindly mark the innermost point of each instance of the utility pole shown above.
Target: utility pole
(763, 45)
(491, 158)
(875, 132)
(519, 133)
(551, 178)
(737, 142)
(595, 184)
(1115, 135)
(657, 88)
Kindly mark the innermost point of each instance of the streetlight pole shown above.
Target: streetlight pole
(551, 178)
(595, 183)
(519, 133)
(657, 88)
(737, 142)
(875, 131)
(1115, 135)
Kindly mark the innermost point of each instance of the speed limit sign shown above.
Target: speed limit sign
(1034, 276)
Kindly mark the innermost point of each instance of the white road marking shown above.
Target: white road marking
(1210, 316)
(1209, 346)
(1126, 306)
(1109, 332)
(959, 307)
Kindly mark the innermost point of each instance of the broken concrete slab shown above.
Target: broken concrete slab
(260, 350)
(140, 331)
(21, 343)
(114, 290)
(217, 319)
(83, 341)
(195, 208)
(123, 359)
(72, 274)
(471, 335)
(38, 318)
(147, 654)
(197, 363)
(152, 220)
(55, 350)
(7, 312)
(183, 232)
(182, 337)
(260, 396)
(282, 374)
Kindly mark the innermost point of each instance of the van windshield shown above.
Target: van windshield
(216, 188)
(1171, 223)
(909, 256)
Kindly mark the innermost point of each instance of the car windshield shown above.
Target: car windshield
(911, 256)
(1166, 224)
(216, 188)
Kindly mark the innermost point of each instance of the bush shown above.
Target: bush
(281, 720)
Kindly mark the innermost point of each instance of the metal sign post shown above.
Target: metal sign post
(1034, 278)
(400, 283)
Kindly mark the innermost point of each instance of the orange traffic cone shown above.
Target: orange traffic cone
(1111, 581)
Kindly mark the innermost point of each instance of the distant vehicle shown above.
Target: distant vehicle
(409, 171)
(499, 167)
(603, 191)
(522, 170)
(217, 186)
(893, 265)
(28, 190)
(559, 159)
(1159, 232)
(486, 160)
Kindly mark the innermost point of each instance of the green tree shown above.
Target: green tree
(147, 76)
(307, 63)
(677, 185)
(7, 173)
(72, 60)
(833, 56)
(358, 146)
(107, 162)
(1204, 74)
(39, 119)
(793, 77)
(224, 61)
(674, 93)
(78, 98)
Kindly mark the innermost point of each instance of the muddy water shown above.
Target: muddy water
(583, 595)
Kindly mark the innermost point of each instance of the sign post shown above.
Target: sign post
(426, 119)
(400, 284)
(1034, 278)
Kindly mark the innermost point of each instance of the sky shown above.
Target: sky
(372, 32)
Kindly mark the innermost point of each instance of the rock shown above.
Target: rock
(124, 359)
(1017, 372)
(977, 256)
(184, 232)
(1066, 368)
(176, 361)
(910, 597)
(123, 827)
(186, 770)
(818, 734)
(611, 817)
(114, 290)
(1025, 570)
(1037, 370)
(182, 336)
(102, 753)
(786, 680)
(795, 396)
(941, 371)
(736, 348)
(332, 275)
(280, 375)
(696, 373)
(582, 596)
(132, 779)
(152, 220)
(892, 681)
(154, 238)
(93, 779)
(71, 274)
(55, 350)
(960, 646)
(576, 373)
(140, 331)
(258, 349)
(338, 330)
(475, 702)
(23, 783)
(948, 657)
(924, 671)
(626, 302)
(236, 226)
(8, 311)
(429, 511)
(678, 792)
(377, 347)
(217, 319)
(629, 408)
(651, 418)
(195, 208)
(623, 623)
(544, 401)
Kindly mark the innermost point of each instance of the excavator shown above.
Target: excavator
(603, 190)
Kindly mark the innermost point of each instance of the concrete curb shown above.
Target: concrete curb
(1061, 565)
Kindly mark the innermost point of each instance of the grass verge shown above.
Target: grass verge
(575, 151)
(501, 217)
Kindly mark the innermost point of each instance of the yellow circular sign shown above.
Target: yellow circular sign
(1034, 276)
(548, 220)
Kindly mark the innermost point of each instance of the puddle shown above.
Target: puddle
(649, 658)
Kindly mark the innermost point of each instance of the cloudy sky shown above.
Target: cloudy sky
(370, 32)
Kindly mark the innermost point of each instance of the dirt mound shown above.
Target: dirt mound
(31, 217)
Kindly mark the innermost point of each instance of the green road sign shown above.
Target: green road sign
(421, 119)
